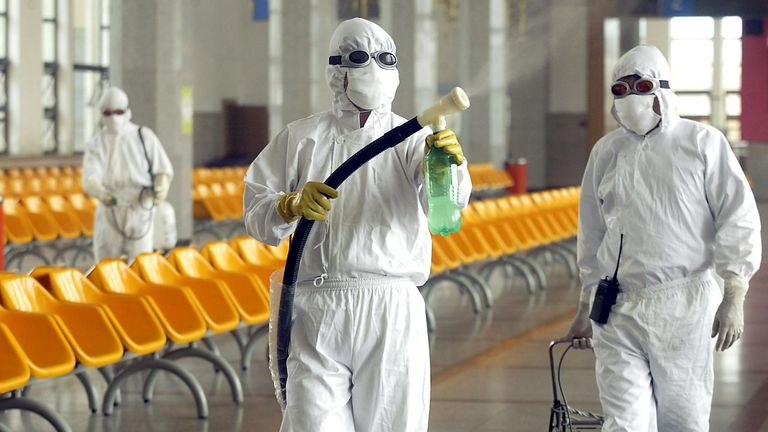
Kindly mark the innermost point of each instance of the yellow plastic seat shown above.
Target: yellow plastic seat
(206, 205)
(256, 253)
(482, 233)
(84, 210)
(53, 171)
(64, 214)
(43, 223)
(175, 307)
(231, 205)
(201, 176)
(280, 251)
(69, 185)
(28, 173)
(441, 257)
(14, 371)
(234, 193)
(223, 257)
(86, 327)
(131, 316)
(17, 226)
(13, 172)
(212, 298)
(40, 338)
(248, 293)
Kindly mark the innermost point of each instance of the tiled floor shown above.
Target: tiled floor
(490, 373)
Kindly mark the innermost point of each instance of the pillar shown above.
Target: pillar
(482, 59)
(151, 60)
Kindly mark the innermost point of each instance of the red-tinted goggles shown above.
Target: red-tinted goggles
(642, 86)
(108, 113)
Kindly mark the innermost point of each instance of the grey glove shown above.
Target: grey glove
(729, 318)
(580, 331)
(94, 188)
(162, 184)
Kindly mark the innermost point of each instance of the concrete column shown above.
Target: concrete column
(482, 56)
(528, 72)
(152, 61)
(299, 32)
(567, 122)
(66, 133)
(415, 35)
(25, 53)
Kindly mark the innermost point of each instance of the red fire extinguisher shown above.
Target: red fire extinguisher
(518, 170)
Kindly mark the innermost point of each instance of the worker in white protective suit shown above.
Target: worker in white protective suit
(127, 170)
(676, 192)
(359, 354)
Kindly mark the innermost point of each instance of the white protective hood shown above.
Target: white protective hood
(647, 61)
(351, 35)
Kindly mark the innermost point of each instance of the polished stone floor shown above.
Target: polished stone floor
(490, 374)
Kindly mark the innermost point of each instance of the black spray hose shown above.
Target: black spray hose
(300, 236)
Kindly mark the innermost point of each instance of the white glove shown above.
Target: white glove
(729, 319)
(94, 188)
(162, 184)
(580, 332)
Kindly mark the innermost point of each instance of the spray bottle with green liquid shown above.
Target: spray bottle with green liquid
(442, 183)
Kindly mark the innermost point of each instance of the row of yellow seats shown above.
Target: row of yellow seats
(57, 317)
(496, 227)
(218, 201)
(201, 175)
(486, 176)
(217, 198)
(48, 217)
(40, 172)
(18, 187)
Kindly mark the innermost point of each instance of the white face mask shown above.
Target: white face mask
(115, 123)
(371, 87)
(636, 113)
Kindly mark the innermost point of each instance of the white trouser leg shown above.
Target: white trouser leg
(654, 357)
(359, 359)
(390, 391)
(681, 355)
(623, 377)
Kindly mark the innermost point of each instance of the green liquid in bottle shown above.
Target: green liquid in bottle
(442, 183)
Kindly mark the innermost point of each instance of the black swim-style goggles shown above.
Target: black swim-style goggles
(358, 59)
(642, 87)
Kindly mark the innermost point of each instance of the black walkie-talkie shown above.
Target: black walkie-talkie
(606, 293)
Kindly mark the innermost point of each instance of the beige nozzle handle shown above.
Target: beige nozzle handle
(454, 101)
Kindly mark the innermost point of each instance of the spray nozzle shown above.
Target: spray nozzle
(454, 101)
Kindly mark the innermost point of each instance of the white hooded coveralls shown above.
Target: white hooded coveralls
(359, 355)
(685, 208)
(118, 163)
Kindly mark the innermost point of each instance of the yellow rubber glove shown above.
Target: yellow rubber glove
(446, 139)
(311, 202)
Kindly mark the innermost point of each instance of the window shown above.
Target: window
(3, 76)
(50, 75)
(705, 57)
(91, 69)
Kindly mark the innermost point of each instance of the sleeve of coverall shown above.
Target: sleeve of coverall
(738, 246)
(93, 162)
(267, 178)
(160, 162)
(415, 156)
(591, 227)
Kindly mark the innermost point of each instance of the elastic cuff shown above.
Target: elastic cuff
(735, 286)
(282, 205)
(586, 295)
